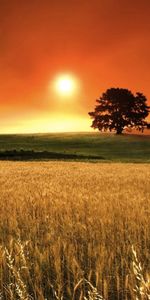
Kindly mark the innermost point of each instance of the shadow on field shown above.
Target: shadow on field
(40, 155)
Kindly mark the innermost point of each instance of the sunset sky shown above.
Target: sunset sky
(97, 43)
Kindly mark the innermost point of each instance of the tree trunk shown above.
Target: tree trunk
(119, 130)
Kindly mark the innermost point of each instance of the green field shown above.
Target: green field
(88, 146)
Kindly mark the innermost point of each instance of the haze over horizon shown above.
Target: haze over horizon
(99, 44)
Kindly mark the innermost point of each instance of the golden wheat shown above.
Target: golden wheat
(142, 286)
(62, 223)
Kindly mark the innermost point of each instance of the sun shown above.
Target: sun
(65, 84)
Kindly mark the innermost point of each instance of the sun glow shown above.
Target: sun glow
(65, 84)
(50, 123)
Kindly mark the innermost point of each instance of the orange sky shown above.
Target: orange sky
(103, 43)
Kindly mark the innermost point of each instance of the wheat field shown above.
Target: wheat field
(71, 230)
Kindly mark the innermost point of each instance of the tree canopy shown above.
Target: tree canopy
(118, 109)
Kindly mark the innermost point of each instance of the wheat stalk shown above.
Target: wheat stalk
(142, 287)
(92, 293)
(20, 287)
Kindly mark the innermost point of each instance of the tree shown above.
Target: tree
(118, 109)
